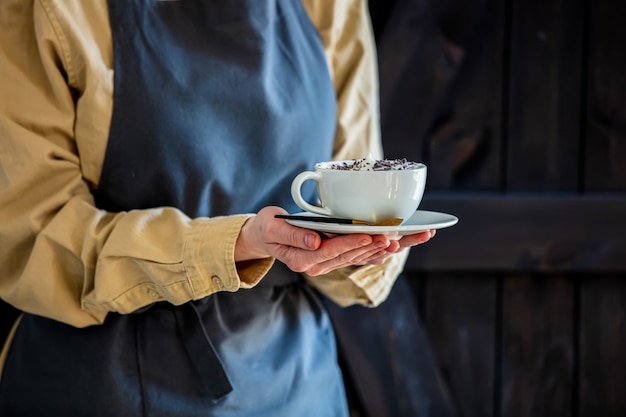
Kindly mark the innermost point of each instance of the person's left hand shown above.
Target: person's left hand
(396, 246)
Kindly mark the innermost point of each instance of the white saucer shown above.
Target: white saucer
(420, 221)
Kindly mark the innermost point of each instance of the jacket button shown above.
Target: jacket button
(217, 281)
(153, 293)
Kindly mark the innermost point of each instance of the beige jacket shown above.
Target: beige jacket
(63, 258)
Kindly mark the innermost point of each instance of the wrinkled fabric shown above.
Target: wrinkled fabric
(66, 259)
(201, 91)
(56, 102)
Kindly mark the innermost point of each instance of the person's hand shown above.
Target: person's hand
(304, 250)
(396, 246)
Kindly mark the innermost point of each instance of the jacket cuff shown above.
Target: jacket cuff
(209, 257)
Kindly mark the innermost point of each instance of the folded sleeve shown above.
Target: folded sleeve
(61, 257)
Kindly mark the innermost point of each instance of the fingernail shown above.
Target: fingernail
(309, 241)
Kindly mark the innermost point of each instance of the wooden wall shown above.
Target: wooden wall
(519, 110)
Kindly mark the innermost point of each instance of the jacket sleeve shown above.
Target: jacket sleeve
(60, 256)
(346, 32)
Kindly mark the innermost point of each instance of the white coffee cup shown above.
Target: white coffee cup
(371, 195)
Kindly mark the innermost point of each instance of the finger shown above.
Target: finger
(374, 257)
(377, 260)
(264, 235)
(394, 246)
(331, 252)
(349, 258)
(378, 257)
(364, 257)
(415, 239)
(278, 231)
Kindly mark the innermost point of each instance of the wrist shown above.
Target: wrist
(247, 246)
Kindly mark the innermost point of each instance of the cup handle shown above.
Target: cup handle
(296, 185)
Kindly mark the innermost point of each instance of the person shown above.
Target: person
(145, 148)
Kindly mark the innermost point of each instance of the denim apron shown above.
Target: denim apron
(218, 104)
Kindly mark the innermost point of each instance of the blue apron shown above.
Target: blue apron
(217, 106)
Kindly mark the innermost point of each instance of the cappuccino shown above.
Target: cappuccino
(366, 164)
(364, 189)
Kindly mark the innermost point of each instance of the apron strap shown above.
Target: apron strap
(201, 351)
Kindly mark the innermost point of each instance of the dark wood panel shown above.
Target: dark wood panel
(447, 112)
(603, 346)
(518, 232)
(605, 145)
(410, 90)
(463, 145)
(537, 347)
(522, 104)
(461, 320)
(545, 95)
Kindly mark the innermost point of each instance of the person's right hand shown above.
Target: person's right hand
(303, 250)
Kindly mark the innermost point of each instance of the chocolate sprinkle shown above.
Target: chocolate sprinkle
(374, 165)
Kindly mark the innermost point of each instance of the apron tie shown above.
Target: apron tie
(201, 351)
(197, 342)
